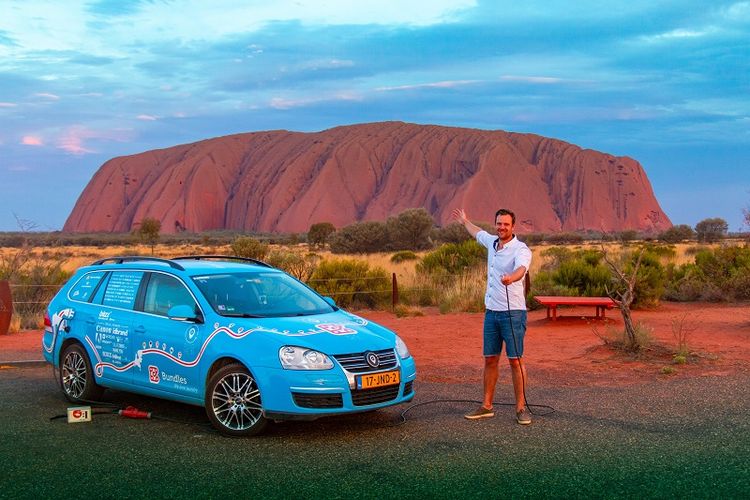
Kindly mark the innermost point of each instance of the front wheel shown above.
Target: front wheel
(233, 402)
(76, 376)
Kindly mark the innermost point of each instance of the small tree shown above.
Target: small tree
(148, 231)
(623, 293)
(410, 230)
(711, 230)
(318, 234)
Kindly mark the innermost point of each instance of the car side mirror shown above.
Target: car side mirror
(184, 312)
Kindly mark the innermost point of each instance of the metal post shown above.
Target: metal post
(394, 292)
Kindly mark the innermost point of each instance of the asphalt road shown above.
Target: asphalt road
(671, 438)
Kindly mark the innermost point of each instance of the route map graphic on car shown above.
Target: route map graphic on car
(245, 340)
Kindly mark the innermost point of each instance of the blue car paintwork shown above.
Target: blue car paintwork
(169, 358)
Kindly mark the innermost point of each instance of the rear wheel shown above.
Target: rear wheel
(76, 375)
(233, 402)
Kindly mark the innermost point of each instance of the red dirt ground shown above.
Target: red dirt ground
(566, 352)
(448, 347)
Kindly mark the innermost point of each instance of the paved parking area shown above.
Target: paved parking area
(670, 438)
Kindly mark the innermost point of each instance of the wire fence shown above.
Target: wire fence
(29, 301)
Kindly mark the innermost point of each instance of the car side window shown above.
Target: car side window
(164, 292)
(86, 286)
(122, 289)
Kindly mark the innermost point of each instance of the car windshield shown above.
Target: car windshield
(260, 295)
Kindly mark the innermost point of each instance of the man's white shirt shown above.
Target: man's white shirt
(501, 261)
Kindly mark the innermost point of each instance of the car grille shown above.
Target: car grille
(375, 396)
(408, 387)
(305, 400)
(357, 363)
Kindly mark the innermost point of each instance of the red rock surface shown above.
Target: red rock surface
(281, 181)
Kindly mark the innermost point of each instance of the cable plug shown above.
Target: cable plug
(133, 412)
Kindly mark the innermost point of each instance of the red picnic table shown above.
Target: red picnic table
(551, 303)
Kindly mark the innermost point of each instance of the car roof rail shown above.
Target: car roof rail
(136, 258)
(223, 257)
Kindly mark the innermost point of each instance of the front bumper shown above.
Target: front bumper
(306, 395)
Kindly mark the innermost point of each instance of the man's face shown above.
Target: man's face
(504, 227)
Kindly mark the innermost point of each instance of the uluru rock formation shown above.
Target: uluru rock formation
(282, 181)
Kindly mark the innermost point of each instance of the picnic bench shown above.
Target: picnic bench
(551, 303)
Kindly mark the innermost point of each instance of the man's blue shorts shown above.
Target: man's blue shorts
(503, 326)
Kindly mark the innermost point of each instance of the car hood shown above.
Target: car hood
(333, 333)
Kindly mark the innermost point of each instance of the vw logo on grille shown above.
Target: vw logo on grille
(372, 359)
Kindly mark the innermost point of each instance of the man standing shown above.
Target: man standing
(508, 260)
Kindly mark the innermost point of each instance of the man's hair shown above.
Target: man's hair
(505, 211)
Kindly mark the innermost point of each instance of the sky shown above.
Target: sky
(666, 83)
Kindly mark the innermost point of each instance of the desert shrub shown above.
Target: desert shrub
(402, 311)
(33, 283)
(618, 339)
(716, 275)
(403, 256)
(585, 273)
(352, 283)
(676, 234)
(360, 237)
(410, 230)
(465, 293)
(452, 233)
(627, 235)
(250, 248)
(453, 258)
(319, 233)
(532, 238)
(422, 291)
(567, 237)
(662, 251)
(650, 280)
(300, 266)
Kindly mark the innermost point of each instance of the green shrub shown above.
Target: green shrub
(300, 266)
(452, 233)
(453, 258)
(403, 256)
(567, 237)
(720, 274)
(361, 237)
(250, 248)
(676, 234)
(352, 283)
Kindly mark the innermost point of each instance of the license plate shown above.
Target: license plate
(378, 379)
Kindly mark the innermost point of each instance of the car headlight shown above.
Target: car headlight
(401, 348)
(301, 358)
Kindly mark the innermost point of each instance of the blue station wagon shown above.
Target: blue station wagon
(245, 340)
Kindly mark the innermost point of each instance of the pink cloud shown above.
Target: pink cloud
(8, 105)
(148, 118)
(32, 140)
(47, 95)
(73, 140)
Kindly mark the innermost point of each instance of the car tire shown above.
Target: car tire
(76, 375)
(233, 402)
